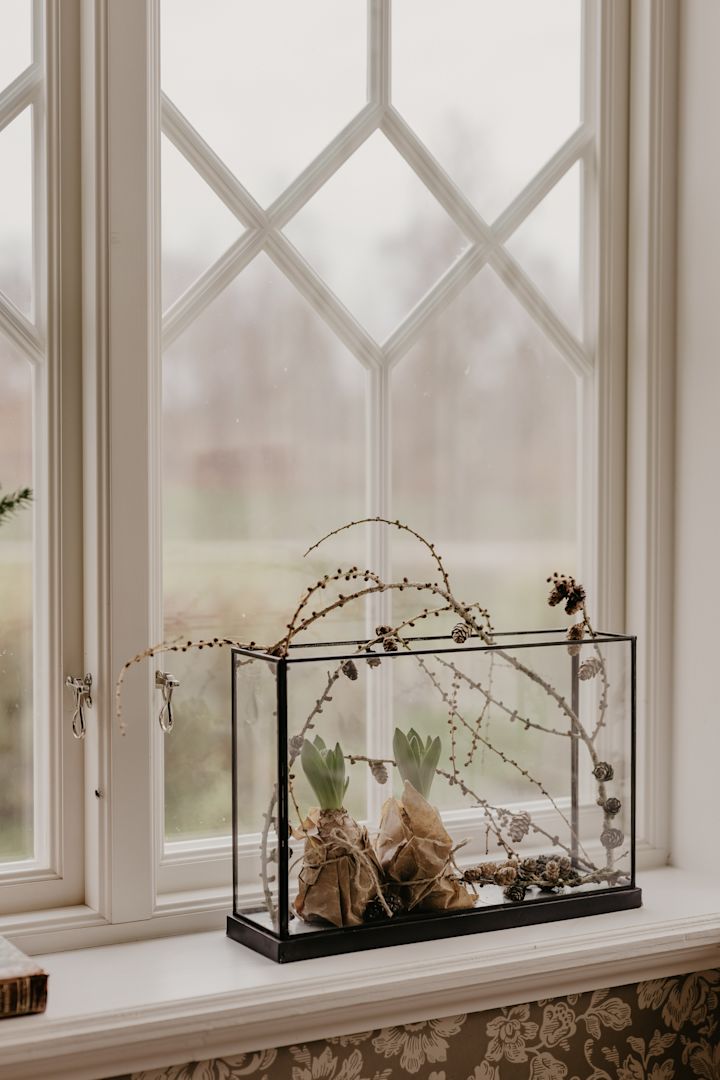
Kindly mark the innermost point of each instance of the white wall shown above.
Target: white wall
(696, 751)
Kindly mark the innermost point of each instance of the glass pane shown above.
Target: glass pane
(547, 245)
(377, 236)
(264, 451)
(15, 39)
(484, 455)
(16, 610)
(196, 226)
(16, 232)
(267, 85)
(492, 88)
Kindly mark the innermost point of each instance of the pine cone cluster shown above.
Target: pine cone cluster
(565, 589)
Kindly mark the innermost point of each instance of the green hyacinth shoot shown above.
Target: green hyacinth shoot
(325, 770)
(416, 759)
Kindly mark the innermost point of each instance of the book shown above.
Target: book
(23, 983)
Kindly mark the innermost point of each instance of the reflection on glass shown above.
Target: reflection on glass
(16, 230)
(196, 226)
(15, 39)
(16, 612)
(492, 89)
(547, 245)
(377, 236)
(264, 450)
(267, 85)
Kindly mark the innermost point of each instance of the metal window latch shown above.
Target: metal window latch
(82, 688)
(167, 683)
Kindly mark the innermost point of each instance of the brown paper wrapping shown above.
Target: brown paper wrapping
(340, 872)
(415, 850)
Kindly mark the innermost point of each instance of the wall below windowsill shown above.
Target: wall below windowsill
(125, 1007)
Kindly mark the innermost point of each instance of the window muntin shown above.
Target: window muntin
(398, 262)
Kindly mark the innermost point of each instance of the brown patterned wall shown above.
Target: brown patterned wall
(666, 1029)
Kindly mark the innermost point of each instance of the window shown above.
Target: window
(41, 860)
(332, 265)
(378, 310)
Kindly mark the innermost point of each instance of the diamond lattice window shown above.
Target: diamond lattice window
(373, 306)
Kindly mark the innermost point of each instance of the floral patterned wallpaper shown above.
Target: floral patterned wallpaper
(666, 1029)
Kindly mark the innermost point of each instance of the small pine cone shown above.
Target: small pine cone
(528, 869)
(373, 661)
(506, 875)
(481, 872)
(589, 668)
(390, 644)
(612, 838)
(380, 773)
(375, 912)
(603, 771)
(519, 826)
(296, 743)
(350, 670)
(552, 871)
(565, 865)
(515, 892)
(460, 633)
(383, 631)
(612, 806)
(575, 634)
(488, 869)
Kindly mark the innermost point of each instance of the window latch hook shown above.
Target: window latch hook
(82, 689)
(166, 682)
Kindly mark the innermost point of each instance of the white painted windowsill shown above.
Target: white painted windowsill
(118, 1008)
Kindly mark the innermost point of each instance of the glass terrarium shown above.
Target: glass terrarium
(407, 788)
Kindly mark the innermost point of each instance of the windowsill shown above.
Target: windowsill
(118, 1008)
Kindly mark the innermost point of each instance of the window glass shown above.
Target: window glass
(364, 337)
(16, 609)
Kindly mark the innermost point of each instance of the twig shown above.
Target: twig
(525, 773)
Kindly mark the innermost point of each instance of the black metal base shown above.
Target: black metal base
(402, 931)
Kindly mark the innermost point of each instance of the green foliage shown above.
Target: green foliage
(417, 760)
(10, 504)
(325, 770)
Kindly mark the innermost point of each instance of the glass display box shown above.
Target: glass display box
(430, 787)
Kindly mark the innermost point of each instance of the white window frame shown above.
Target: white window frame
(50, 339)
(120, 394)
